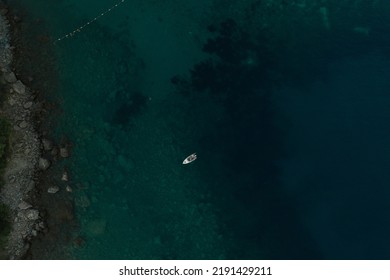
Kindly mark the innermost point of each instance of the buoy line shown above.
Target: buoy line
(71, 34)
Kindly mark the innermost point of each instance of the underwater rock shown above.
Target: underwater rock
(325, 17)
(54, 151)
(17, 19)
(82, 201)
(4, 11)
(97, 227)
(47, 144)
(79, 241)
(362, 30)
(68, 188)
(65, 176)
(64, 152)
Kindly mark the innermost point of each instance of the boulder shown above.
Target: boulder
(10, 77)
(23, 205)
(11, 101)
(40, 225)
(64, 152)
(65, 176)
(30, 185)
(28, 104)
(43, 164)
(23, 124)
(17, 19)
(12, 178)
(27, 151)
(19, 87)
(53, 189)
(54, 151)
(47, 144)
(32, 214)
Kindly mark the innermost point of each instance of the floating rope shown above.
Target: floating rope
(70, 34)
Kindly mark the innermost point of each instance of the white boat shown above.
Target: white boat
(190, 158)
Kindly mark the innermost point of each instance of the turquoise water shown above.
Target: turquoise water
(258, 90)
(131, 132)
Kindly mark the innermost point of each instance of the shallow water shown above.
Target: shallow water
(288, 121)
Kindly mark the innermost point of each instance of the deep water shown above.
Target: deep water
(285, 104)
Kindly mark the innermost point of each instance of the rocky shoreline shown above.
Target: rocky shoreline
(21, 172)
(27, 152)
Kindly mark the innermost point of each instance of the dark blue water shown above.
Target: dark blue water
(286, 105)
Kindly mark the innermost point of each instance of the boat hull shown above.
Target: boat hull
(189, 159)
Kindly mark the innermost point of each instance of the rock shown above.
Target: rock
(12, 178)
(26, 246)
(30, 185)
(40, 225)
(19, 87)
(53, 189)
(54, 151)
(47, 144)
(65, 176)
(17, 19)
(82, 201)
(10, 77)
(23, 124)
(64, 152)
(19, 145)
(23, 205)
(11, 101)
(68, 188)
(97, 227)
(27, 105)
(4, 11)
(43, 164)
(32, 214)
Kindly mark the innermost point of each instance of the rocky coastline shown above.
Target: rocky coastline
(25, 158)
(21, 172)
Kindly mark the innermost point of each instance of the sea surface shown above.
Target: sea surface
(286, 104)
